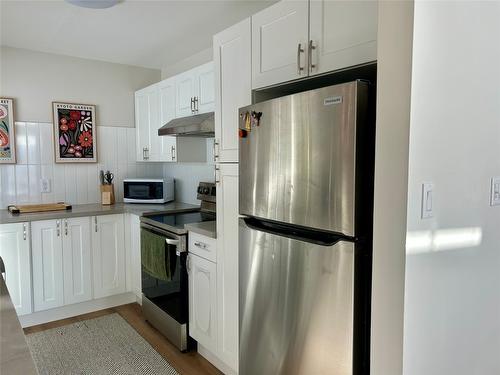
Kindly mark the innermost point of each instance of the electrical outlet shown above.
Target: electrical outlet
(45, 185)
(495, 191)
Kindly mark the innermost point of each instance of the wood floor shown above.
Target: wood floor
(185, 363)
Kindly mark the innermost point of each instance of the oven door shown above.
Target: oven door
(143, 192)
(164, 273)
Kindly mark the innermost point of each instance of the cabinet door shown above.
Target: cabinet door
(168, 144)
(47, 262)
(279, 38)
(204, 88)
(108, 255)
(202, 301)
(15, 252)
(185, 91)
(233, 86)
(344, 33)
(155, 147)
(227, 263)
(77, 263)
(142, 119)
(135, 255)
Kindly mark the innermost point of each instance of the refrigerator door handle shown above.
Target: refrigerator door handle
(310, 235)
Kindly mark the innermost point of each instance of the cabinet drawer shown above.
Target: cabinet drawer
(202, 246)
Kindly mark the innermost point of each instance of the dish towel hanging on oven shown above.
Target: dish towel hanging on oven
(155, 256)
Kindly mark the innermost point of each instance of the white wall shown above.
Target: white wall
(187, 176)
(395, 28)
(72, 183)
(36, 79)
(193, 61)
(452, 303)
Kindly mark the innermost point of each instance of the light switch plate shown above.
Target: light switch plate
(44, 185)
(495, 191)
(427, 200)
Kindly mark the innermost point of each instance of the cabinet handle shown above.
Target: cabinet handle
(173, 152)
(201, 245)
(66, 227)
(309, 51)
(216, 149)
(192, 105)
(146, 153)
(95, 222)
(188, 263)
(24, 232)
(57, 228)
(216, 175)
(195, 104)
(299, 51)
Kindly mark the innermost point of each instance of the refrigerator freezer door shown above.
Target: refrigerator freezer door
(295, 305)
(298, 161)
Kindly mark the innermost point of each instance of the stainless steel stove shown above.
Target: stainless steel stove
(164, 270)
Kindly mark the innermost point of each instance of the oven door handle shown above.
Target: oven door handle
(172, 242)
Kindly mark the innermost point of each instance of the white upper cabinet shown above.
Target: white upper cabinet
(146, 122)
(185, 93)
(47, 252)
(296, 39)
(204, 98)
(167, 144)
(279, 41)
(342, 34)
(15, 253)
(233, 86)
(77, 256)
(108, 255)
(195, 91)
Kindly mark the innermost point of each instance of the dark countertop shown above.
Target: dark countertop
(15, 356)
(205, 228)
(95, 209)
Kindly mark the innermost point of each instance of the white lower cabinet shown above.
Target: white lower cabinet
(47, 251)
(227, 264)
(202, 302)
(77, 260)
(15, 253)
(62, 269)
(108, 248)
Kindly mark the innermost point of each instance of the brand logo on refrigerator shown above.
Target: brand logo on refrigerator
(332, 100)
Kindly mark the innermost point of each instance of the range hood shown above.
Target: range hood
(202, 125)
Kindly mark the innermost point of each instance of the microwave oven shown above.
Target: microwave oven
(148, 190)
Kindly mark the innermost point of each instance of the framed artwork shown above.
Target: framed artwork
(7, 132)
(75, 134)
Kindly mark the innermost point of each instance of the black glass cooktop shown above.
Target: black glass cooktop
(178, 220)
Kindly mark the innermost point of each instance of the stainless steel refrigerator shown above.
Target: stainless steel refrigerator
(306, 198)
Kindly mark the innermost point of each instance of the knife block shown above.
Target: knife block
(107, 194)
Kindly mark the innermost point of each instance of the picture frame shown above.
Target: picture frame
(7, 132)
(74, 132)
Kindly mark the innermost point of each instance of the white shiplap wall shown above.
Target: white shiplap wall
(73, 183)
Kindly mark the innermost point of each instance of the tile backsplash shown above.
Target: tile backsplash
(73, 183)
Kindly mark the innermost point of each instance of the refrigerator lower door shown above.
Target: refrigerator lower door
(295, 305)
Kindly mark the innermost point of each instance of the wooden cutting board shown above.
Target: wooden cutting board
(27, 208)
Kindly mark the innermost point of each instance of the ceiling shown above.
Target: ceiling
(146, 33)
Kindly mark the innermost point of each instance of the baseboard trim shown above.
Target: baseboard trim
(76, 309)
(214, 360)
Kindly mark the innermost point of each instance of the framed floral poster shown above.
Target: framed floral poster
(75, 134)
(7, 135)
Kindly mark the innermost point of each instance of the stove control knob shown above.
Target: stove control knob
(200, 190)
(206, 190)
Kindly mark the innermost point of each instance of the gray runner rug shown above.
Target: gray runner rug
(101, 346)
